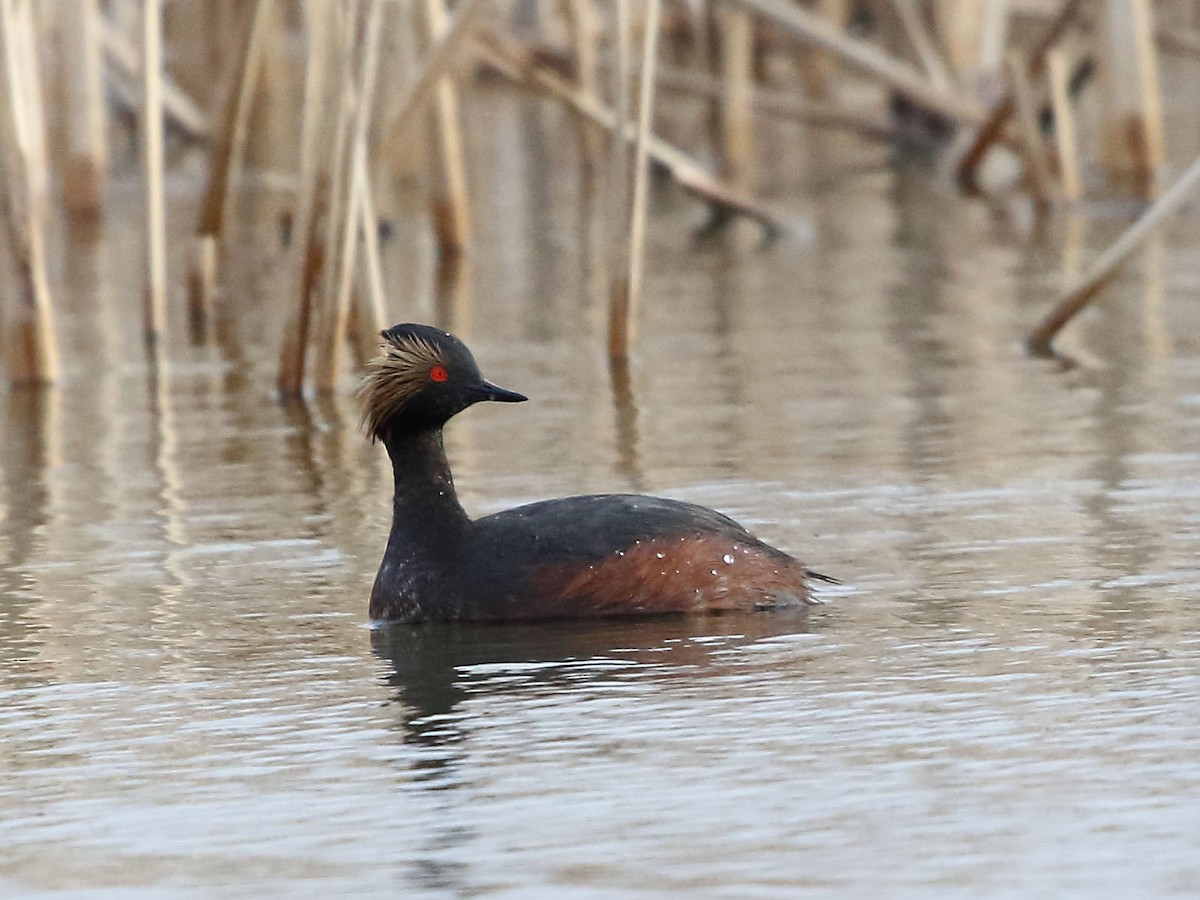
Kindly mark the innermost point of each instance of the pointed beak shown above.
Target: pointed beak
(489, 391)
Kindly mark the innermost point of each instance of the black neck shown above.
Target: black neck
(426, 511)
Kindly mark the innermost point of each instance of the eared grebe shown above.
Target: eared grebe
(597, 555)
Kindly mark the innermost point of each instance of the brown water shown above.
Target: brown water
(1002, 700)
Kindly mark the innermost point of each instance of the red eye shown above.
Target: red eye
(439, 373)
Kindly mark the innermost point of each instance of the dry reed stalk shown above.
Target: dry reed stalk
(1064, 125)
(87, 161)
(365, 314)
(959, 24)
(783, 104)
(449, 199)
(333, 334)
(290, 382)
(164, 440)
(436, 64)
(737, 119)
(32, 102)
(923, 45)
(124, 61)
(625, 421)
(975, 36)
(735, 152)
(202, 274)
(155, 307)
(31, 352)
(1134, 139)
(253, 73)
(707, 50)
(617, 210)
(343, 26)
(187, 30)
(373, 314)
(1040, 339)
(453, 294)
(126, 18)
(641, 160)
(306, 224)
(1036, 164)
(992, 129)
(585, 32)
(897, 76)
(993, 36)
(400, 61)
(626, 289)
(1074, 246)
(514, 61)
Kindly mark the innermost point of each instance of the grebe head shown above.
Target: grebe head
(422, 378)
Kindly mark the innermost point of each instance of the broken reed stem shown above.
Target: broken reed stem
(993, 127)
(155, 307)
(31, 352)
(783, 104)
(1036, 164)
(306, 224)
(627, 286)
(516, 62)
(124, 61)
(1065, 142)
(1178, 39)
(333, 335)
(901, 78)
(1040, 339)
(450, 205)
(87, 161)
(436, 64)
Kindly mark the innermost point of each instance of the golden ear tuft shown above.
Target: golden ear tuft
(394, 377)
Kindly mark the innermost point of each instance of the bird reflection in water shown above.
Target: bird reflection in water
(435, 666)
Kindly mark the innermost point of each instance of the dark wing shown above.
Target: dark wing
(627, 553)
(595, 526)
(586, 529)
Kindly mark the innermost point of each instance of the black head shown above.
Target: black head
(423, 377)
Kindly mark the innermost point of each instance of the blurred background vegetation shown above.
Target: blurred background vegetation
(348, 112)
